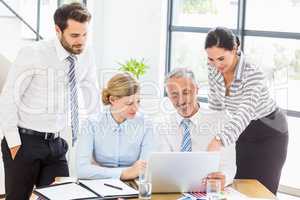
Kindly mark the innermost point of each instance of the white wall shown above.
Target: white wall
(10, 39)
(131, 29)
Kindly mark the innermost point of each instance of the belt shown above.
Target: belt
(272, 114)
(44, 135)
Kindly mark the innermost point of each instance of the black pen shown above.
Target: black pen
(116, 187)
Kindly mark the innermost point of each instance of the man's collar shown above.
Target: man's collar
(193, 118)
(62, 54)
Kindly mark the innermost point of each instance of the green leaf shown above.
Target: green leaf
(134, 66)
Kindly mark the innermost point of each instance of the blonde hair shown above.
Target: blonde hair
(119, 86)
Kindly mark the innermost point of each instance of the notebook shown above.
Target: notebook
(87, 189)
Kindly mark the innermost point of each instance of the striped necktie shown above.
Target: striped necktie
(186, 144)
(73, 98)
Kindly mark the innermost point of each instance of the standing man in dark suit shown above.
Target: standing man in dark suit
(40, 100)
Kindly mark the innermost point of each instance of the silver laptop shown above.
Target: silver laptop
(171, 172)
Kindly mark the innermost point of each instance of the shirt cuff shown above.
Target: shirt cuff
(12, 137)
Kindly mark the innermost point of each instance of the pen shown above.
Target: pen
(116, 187)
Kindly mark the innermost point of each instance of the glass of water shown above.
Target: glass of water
(145, 186)
(213, 189)
(145, 189)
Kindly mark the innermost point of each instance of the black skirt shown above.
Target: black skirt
(261, 150)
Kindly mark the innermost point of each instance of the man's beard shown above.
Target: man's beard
(71, 48)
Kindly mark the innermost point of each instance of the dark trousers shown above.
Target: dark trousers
(37, 163)
(261, 150)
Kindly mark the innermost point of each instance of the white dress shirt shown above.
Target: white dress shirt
(36, 93)
(205, 125)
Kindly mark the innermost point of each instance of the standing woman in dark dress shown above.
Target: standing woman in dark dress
(257, 125)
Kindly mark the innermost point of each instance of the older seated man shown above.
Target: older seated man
(192, 127)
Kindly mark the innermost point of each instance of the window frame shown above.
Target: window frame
(242, 33)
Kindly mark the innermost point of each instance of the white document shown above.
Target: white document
(105, 191)
(65, 191)
(233, 194)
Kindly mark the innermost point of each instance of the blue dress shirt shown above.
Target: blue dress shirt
(112, 146)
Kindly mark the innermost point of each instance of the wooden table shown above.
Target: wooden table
(249, 187)
(252, 188)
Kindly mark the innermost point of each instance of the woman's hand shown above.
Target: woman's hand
(218, 176)
(133, 171)
(214, 145)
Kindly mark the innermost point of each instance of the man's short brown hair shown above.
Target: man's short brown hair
(74, 11)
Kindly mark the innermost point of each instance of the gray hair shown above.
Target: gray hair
(181, 73)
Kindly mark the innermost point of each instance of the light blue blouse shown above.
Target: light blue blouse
(113, 146)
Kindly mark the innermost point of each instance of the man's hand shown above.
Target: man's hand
(14, 151)
(219, 176)
(214, 145)
(133, 171)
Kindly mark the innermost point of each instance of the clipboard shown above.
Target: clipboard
(54, 192)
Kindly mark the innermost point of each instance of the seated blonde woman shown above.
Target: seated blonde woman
(116, 142)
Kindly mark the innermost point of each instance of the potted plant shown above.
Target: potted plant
(134, 66)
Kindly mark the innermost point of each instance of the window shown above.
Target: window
(280, 61)
(187, 47)
(188, 52)
(204, 13)
(268, 15)
(269, 37)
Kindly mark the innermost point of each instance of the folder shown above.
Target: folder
(87, 189)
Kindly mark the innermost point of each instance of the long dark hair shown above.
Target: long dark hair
(223, 38)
